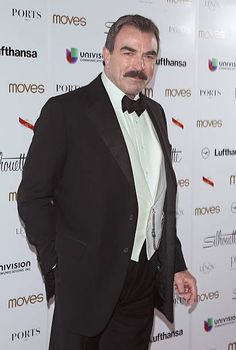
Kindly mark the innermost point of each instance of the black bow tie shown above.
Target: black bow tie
(130, 106)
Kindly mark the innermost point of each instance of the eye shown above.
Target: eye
(150, 57)
(128, 53)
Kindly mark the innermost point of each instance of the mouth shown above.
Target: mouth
(135, 79)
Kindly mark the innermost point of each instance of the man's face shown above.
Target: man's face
(131, 64)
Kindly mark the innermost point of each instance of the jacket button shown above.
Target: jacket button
(158, 267)
(125, 250)
(131, 217)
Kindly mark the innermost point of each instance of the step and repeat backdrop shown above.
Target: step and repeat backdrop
(51, 47)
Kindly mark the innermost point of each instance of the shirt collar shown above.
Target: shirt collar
(114, 92)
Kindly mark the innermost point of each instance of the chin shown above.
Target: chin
(133, 92)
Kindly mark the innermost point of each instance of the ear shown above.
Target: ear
(106, 56)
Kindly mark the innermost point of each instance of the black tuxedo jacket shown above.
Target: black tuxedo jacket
(78, 203)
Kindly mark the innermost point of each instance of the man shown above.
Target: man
(98, 201)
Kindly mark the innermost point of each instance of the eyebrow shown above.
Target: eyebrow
(127, 48)
(152, 52)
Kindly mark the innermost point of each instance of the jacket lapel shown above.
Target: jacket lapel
(103, 117)
(159, 126)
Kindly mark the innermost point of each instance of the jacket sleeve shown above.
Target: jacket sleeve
(42, 170)
(180, 264)
(179, 258)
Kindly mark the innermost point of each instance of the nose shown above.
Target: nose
(139, 62)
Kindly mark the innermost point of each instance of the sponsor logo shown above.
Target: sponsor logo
(205, 152)
(208, 325)
(26, 123)
(12, 163)
(224, 152)
(183, 182)
(232, 180)
(108, 26)
(171, 63)
(65, 19)
(207, 210)
(232, 346)
(233, 262)
(233, 207)
(178, 92)
(211, 4)
(14, 267)
(207, 181)
(179, 212)
(210, 93)
(20, 232)
(12, 196)
(206, 296)
(165, 336)
(146, 1)
(91, 56)
(26, 334)
(211, 34)
(214, 64)
(176, 155)
(177, 123)
(179, 300)
(14, 88)
(85, 56)
(148, 91)
(206, 267)
(22, 301)
(179, 1)
(213, 123)
(220, 239)
(9, 51)
(72, 55)
(222, 321)
(62, 88)
(173, 29)
(26, 14)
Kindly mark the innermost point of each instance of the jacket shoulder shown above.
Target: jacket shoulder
(80, 94)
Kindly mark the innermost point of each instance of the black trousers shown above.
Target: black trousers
(130, 325)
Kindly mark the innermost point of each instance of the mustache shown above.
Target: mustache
(136, 74)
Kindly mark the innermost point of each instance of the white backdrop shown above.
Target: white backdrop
(195, 83)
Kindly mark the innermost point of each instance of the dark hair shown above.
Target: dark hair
(141, 23)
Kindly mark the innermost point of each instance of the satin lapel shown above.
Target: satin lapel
(103, 117)
(162, 135)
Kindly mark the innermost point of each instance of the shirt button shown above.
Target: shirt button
(125, 250)
(131, 217)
